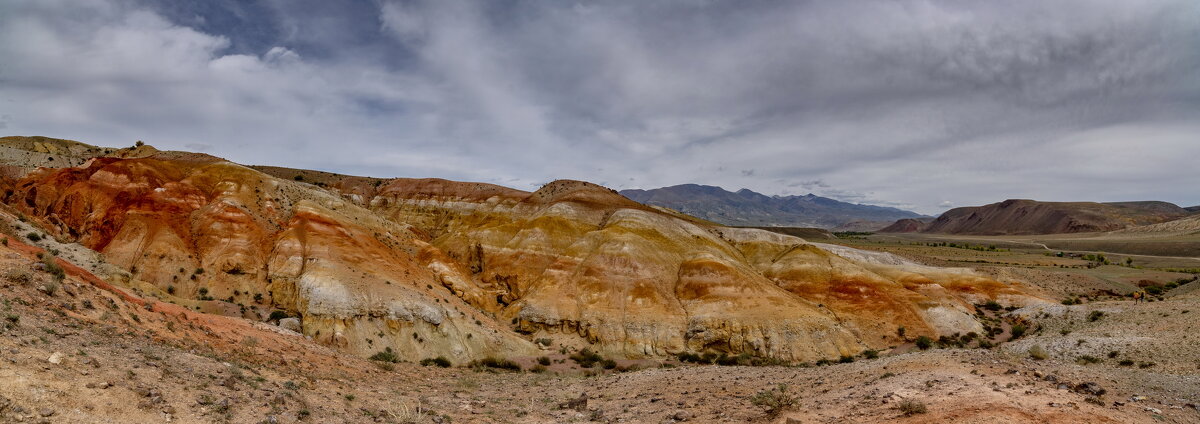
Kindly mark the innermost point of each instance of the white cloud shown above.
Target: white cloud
(922, 103)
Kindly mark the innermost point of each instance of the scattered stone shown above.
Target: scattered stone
(46, 412)
(578, 404)
(682, 416)
(1153, 410)
(1090, 388)
(56, 358)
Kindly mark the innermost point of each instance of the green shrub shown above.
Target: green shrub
(870, 354)
(1018, 330)
(498, 363)
(608, 364)
(775, 401)
(1038, 353)
(544, 360)
(386, 356)
(32, 236)
(924, 342)
(586, 358)
(991, 305)
(1087, 359)
(911, 407)
(440, 361)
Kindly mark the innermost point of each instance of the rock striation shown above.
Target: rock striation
(432, 267)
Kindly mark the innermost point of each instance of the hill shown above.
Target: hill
(431, 267)
(1019, 217)
(748, 208)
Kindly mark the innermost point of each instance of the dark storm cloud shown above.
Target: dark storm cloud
(917, 103)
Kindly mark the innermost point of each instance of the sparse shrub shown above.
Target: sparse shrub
(498, 363)
(870, 354)
(1038, 353)
(1095, 316)
(991, 305)
(19, 276)
(33, 236)
(912, 407)
(984, 344)
(277, 315)
(924, 342)
(386, 356)
(1125, 363)
(440, 361)
(1018, 330)
(1113, 354)
(688, 357)
(1087, 359)
(51, 266)
(171, 290)
(543, 360)
(608, 364)
(846, 359)
(900, 332)
(538, 369)
(586, 358)
(544, 342)
(774, 400)
(726, 360)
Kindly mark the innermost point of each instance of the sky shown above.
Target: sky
(922, 105)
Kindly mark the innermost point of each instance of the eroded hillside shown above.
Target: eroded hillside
(431, 267)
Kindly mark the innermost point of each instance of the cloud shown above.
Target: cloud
(892, 102)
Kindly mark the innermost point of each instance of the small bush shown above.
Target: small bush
(277, 315)
(586, 358)
(538, 369)
(775, 400)
(870, 354)
(32, 236)
(440, 361)
(1018, 330)
(911, 407)
(608, 364)
(544, 360)
(1125, 363)
(924, 342)
(688, 357)
(498, 363)
(386, 356)
(1038, 353)
(846, 359)
(1095, 316)
(991, 305)
(544, 342)
(1087, 359)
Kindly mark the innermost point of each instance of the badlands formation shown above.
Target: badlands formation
(138, 285)
(429, 267)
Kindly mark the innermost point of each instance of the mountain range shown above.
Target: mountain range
(748, 208)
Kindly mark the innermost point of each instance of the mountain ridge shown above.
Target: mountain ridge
(1027, 217)
(746, 207)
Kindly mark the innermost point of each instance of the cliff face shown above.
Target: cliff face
(433, 267)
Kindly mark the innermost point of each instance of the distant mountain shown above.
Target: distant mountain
(1193, 209)
(1017, 216)
(747, 208)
